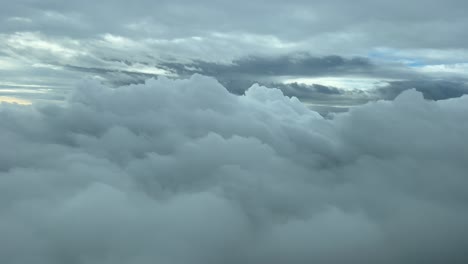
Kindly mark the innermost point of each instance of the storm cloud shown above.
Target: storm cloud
(182, 171)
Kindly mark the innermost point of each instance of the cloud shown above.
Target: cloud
(299, 64)
(431, 89)
(182, 171)
(442, 25)
(222, 31)
(282, 71)
(329, 81)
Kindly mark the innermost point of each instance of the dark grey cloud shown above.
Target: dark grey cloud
(238, 76)
(433, 90)
(182, 171)
(306, 91)
(242, 73)
(301, 64)
(115, 77)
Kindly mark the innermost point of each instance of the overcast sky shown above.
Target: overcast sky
(348, 45)
(234, 132)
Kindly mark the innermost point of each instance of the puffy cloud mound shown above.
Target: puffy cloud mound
(182, 171)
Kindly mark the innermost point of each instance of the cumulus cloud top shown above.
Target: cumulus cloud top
(182, 171)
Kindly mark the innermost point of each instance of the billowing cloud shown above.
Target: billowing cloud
(182, 171)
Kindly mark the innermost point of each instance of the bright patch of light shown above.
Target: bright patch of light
(13, 84)
(14, 100)
(34, 41)
(458, 68)
(347, 83)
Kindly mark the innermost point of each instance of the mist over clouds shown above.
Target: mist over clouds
(182, 171)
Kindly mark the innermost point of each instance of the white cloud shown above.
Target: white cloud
(456, 69)
(35, 41)
(181, 171)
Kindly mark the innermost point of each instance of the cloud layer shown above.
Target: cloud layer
(182, 171)
(52, 44)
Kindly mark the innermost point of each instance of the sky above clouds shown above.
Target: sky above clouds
(349, 45)
(232, 132)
